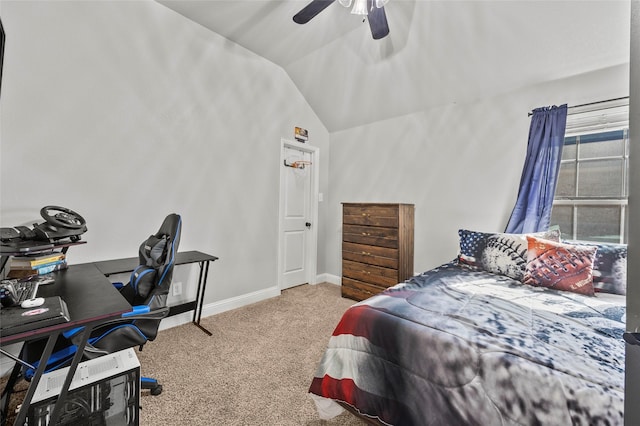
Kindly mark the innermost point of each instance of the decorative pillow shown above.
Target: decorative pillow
(609, 267)
(560, 266)
(499, 253)
(472, 245)
(154, 250)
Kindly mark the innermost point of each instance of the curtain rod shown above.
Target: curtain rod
(591, 103)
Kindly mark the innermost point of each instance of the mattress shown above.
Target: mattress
(458, 345)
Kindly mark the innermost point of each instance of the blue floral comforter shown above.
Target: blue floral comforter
(458, 346)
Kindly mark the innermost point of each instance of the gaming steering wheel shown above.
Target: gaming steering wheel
(65, 218)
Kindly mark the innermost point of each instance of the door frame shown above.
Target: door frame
(311, 261)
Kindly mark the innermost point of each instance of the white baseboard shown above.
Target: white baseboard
(221, 306)
(237, 302)
(329, 278)
(6, 364)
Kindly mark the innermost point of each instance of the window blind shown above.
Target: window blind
(599, 117)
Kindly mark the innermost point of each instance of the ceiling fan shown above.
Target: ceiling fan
(374, 9)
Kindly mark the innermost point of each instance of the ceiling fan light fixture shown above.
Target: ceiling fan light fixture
(372, 9)
(360, 7)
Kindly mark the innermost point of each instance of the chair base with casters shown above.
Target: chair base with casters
(154, 387)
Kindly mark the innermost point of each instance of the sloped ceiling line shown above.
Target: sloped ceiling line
(437, 53)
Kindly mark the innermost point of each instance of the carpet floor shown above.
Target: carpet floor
(255, 369)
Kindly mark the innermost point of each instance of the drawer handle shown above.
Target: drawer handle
(366, 254)
(366, 234)
(366, 272)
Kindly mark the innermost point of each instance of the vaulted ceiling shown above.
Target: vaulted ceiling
(437, 52)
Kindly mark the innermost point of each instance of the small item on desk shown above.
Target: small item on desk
(54, 266)
(15, 320)
(40, 279)
(36, 260)
(13, 292)
(32, 303)
(8, 295)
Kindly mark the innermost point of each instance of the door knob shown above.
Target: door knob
(308, 225)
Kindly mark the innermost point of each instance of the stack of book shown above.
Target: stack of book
(24, 266)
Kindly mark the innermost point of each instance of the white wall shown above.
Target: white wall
(460, 164)
(127, 111)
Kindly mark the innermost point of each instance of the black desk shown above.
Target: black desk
(80, 286)
(120, 266)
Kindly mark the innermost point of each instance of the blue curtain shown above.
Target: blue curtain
(532, 211)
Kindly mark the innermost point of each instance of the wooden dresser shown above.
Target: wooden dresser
(377, 247)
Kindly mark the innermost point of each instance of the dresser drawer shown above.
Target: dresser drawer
(371, 215)
(377, 247)
(372, 255)
(384, 277)
(371, 235)
(358, 290)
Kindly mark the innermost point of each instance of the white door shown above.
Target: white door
(298, 212)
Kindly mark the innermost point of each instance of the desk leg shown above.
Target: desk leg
(48, 349)
(8, 390)
(202, 285)
(3, 263)
(53, 418)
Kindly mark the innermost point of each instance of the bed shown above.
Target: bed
(498, 336)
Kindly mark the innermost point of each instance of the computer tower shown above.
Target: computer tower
(104, 391)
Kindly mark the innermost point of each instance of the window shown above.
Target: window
(591, 198)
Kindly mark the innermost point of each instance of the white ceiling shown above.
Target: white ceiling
(437, 53)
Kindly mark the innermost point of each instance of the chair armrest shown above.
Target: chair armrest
(155, 314)
(133, 315)
(137, 310)
(70, 333)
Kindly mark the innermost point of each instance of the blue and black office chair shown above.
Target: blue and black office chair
(147, 293)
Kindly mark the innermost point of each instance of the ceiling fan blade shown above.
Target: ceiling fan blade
(311, 10)
(378, 22)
